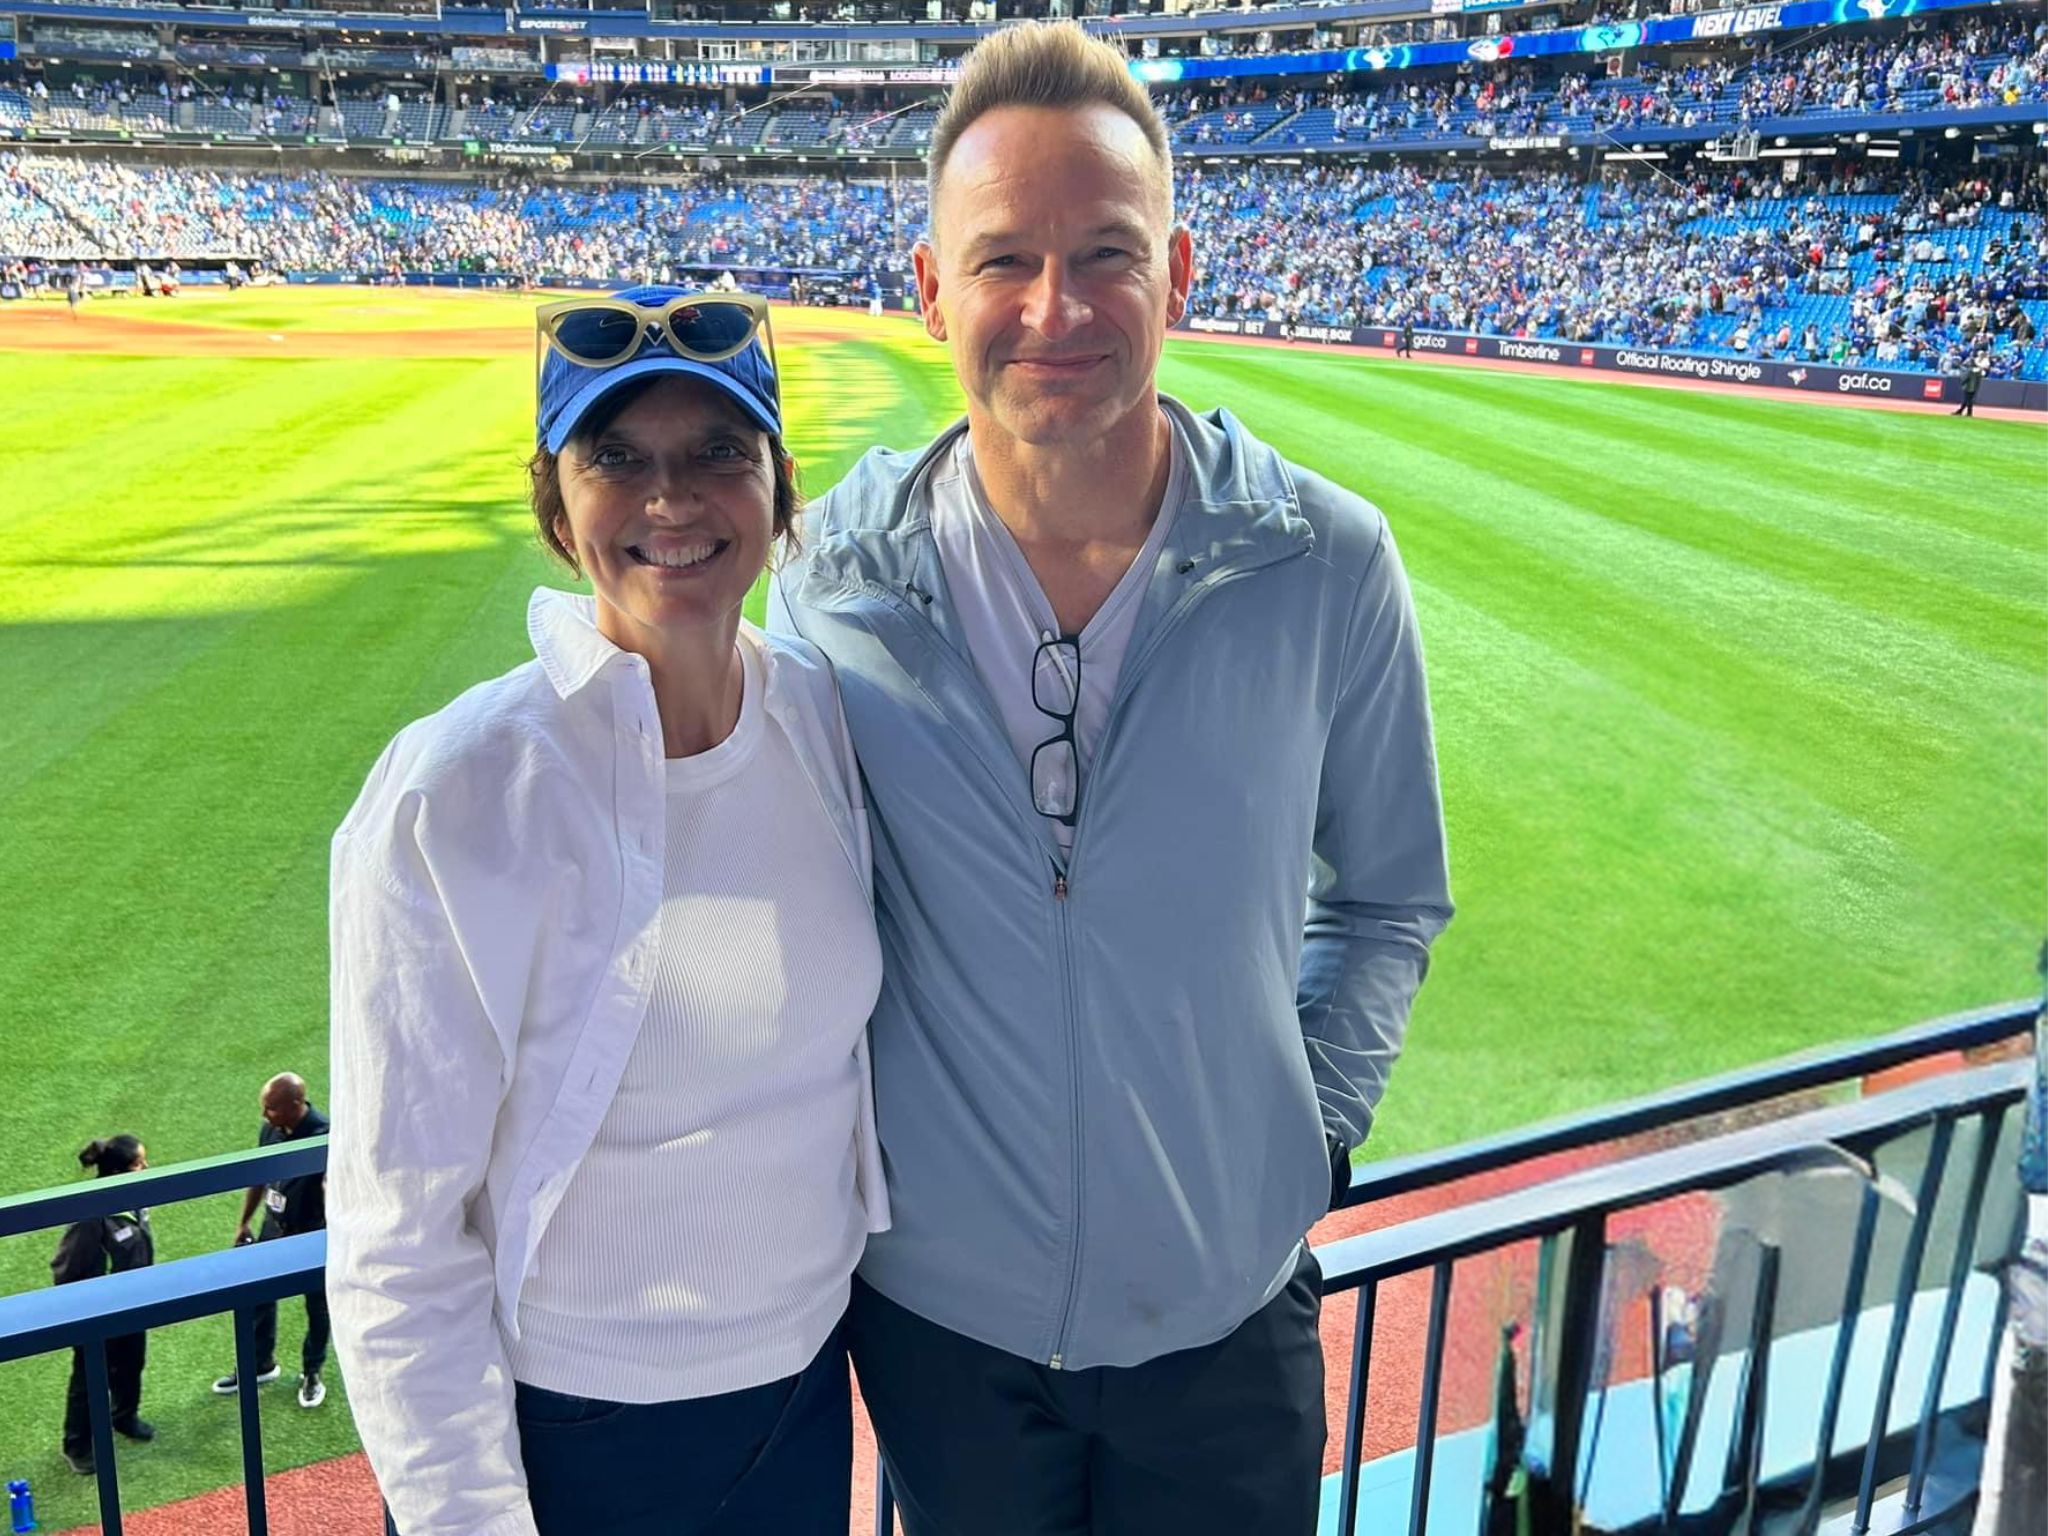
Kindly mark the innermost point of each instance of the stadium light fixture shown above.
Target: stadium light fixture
(2041, 130)
(1862, 138)
(1952, 133)
(1779, 141)
(1884, 154)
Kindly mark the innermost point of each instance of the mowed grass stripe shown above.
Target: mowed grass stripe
(1649, 486)
(1880, 479)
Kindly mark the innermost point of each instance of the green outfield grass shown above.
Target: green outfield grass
(1740, 706)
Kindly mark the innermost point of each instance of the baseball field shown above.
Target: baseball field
(1740, 708)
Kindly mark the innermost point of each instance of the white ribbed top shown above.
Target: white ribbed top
(706, 1241)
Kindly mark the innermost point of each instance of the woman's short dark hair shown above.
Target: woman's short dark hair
(544, 472)
(116, 1154)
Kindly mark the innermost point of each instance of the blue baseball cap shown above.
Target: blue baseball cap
(568, 389)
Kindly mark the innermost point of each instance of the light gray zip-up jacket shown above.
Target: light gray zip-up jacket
(1103, 1085)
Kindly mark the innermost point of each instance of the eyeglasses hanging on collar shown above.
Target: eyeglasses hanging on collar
(1056, 761)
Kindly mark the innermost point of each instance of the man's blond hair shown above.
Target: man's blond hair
(1045, 64)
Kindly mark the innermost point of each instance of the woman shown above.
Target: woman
(89, 1249)
(603, 1152)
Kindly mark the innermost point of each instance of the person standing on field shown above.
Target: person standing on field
(1132, 694)
(1973, 380)
(99, 1246)
(290, 1206)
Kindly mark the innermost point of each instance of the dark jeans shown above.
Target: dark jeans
(775, 1460)
(124, 1387)
(771, 1458)
(1224, 1440)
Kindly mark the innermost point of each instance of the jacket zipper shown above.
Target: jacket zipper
(1133, 668)
(1074, 1089)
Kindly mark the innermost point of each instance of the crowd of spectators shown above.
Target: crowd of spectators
(1867, 75)
(1984, 62)
(326, 223)
(1729, 261)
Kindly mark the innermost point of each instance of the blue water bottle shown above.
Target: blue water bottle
(21, 1506)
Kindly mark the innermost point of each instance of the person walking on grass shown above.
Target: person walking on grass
(290, 1206)
(1141, 710)
(1973, 380)
(98, 1246)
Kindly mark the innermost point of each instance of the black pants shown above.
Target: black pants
(773, 1460)
(1967, 408)
(313, 1354)
(124, 1386)
(1225, 1440)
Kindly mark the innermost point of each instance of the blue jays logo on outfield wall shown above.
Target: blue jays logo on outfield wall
(1375, 58)
(1606, 39)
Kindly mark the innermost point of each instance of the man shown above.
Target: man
(290, 1206)
(1407, 344)
(1973, 380)
(1130, 692)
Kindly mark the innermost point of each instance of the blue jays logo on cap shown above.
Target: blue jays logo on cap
(645, 342)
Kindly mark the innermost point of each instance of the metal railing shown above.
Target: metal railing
(87, 1314)
(1572, 1217)
(1572, 1221)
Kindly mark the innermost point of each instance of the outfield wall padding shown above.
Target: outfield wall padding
(1553, 352)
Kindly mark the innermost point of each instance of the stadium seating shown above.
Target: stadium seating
(913, 129)
(1722, 264)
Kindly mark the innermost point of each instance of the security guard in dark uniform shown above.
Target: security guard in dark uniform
(89, 1249)
(290, 1206)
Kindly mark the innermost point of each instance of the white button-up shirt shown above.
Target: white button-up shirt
(495, 906)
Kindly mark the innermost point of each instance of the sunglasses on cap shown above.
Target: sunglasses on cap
(708, 327)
